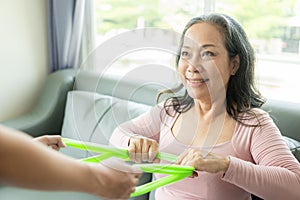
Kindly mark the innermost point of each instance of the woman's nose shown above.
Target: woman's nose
(191, 69)
(194, 69)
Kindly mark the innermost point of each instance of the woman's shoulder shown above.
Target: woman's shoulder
(255, 111)
(254, 116)
(259, 112)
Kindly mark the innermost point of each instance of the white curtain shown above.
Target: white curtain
(70, 32)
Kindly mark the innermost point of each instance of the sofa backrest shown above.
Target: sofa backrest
(286, 115)
(122, 88)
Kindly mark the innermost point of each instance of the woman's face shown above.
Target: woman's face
(204, 64)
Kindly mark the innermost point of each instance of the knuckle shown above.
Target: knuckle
(131, 149)
(155, 144)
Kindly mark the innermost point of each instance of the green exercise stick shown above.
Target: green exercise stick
(165, 168)
(88, 146)
(143, 189)
(176, 172)
(116, 152)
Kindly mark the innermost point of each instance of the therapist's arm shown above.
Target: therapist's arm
(30, 164)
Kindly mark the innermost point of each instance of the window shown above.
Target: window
(160, 22)
(273, 27)
(115, 16)
(273, 30)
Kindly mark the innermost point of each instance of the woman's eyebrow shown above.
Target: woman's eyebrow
(207, 45)
(200, 46)
(186, 47)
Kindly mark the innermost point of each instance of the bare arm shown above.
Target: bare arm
(26, 163)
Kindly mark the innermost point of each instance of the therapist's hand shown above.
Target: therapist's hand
(53, 141)
(115, 180)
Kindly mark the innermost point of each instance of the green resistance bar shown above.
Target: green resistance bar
(166, 169)
(116, 152)
(175, 172)
(143, 189)
(88, 146)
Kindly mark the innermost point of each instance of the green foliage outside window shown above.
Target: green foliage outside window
(262, 19)
(124, 14)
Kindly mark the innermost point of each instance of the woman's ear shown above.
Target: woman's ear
(235, 64)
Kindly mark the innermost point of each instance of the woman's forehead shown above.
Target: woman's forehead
(203, 34)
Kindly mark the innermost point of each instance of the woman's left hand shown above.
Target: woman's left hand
(209, 162)
(53, 141)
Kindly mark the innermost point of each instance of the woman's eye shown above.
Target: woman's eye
(184, 54)
(206, 54)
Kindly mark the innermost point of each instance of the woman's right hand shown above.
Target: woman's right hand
(142, 149)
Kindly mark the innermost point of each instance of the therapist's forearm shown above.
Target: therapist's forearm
(25, 163)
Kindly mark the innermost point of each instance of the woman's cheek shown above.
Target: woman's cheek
(181, 67)
(181, 73)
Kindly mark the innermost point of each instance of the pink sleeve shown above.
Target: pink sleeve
(147, 125)
(276, 174)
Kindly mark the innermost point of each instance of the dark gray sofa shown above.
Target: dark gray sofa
(51, 116)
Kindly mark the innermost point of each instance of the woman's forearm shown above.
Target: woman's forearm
(268, 182)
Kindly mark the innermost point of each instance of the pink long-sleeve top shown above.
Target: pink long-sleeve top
(260, 161)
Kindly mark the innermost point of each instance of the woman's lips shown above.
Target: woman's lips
(196, 82)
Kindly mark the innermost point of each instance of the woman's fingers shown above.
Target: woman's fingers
(182, 157)
(204, 161)
(153, 150)
(145, 150)
(132, 151)
(142, 149)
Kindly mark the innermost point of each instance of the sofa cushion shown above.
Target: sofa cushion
(92, 117)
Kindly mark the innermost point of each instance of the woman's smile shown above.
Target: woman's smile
(196, 82)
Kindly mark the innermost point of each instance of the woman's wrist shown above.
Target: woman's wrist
(226, 164)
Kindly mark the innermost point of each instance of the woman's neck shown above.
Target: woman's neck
(207, 109)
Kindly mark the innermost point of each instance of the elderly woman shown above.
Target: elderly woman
(217, 126)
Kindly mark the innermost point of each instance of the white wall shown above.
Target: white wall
(23, 54)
